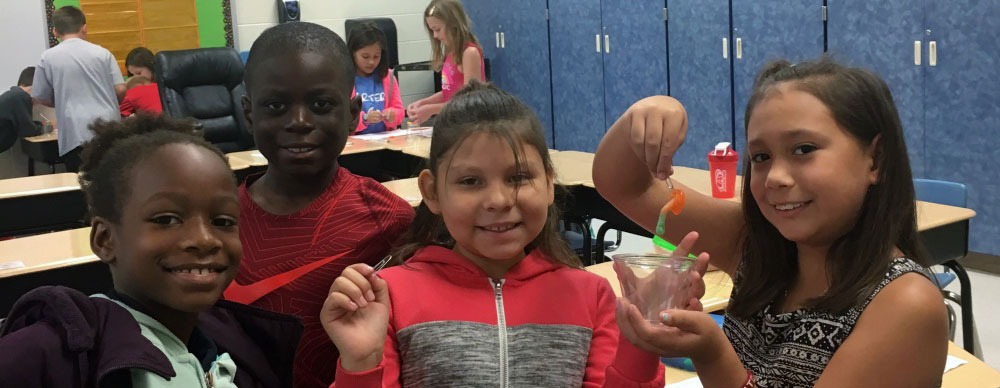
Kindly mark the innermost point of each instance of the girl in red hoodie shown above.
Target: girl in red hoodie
(488, 291)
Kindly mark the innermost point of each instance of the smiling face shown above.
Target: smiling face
(809, 176)
(367, 58)
(437, 28)
(492, 209)
(300, 112)
(177, 246)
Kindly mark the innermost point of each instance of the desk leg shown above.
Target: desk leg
(31, 166)
(968, 324)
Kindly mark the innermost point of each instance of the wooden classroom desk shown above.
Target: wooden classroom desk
(354, 146)
(44, 148)
(416, 145)
(406, 189)
(48, 137)
(40, 204)
(46, 251)
(64, 257)
(718, 286)
(42, 184)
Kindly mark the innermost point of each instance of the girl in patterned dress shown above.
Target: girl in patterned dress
(829, 285)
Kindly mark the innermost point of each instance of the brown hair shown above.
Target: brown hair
(140, 57)
(861, 103)
(68, 20)
(482, 108)
(458, 31)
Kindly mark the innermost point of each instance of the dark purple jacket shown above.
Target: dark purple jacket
(59, 337)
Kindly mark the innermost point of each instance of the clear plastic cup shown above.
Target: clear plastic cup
(653, 282)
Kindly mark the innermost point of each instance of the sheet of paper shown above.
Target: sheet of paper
(689, 383)
(953, 362)
(421, 131)
(11, 265)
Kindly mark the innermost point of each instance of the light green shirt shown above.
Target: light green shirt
(188, 370)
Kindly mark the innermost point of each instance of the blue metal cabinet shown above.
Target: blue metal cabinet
(523, 60)
(606, 55)
(635, 53)
(764, 31)
(577, 64)
(961, 105)
(881, 36)
(515, 40)
(483, 15)
(700, 74)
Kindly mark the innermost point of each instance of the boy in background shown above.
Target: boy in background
(15, 111)
(81, 80)
(141, 95)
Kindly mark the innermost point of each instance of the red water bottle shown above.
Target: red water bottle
(722, 166)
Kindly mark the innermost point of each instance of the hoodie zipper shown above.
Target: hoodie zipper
(502, 332)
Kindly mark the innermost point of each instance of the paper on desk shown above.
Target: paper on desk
(11, 265)
(953, 362)
(422, 131)
(689, 383)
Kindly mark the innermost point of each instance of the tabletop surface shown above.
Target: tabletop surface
(45, 251)
(52, 136)
(38, 184)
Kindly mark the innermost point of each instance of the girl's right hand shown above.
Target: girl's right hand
(356, 317)
(657, 126)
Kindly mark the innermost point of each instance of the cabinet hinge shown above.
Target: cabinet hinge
(546, 14)
(824, 13)
(666, 14)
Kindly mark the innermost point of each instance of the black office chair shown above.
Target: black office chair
(206, 84)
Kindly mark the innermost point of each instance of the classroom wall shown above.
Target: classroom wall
(251, 17)
(25, 20)
(211, 22)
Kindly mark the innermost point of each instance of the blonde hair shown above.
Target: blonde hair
(458, 31)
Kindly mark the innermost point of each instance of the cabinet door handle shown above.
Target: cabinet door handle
(597, 43)
(503, 41)
(917, 52)
(932, 53)
(725, 48)
(607, 43)
(739, 48)
(498, 40)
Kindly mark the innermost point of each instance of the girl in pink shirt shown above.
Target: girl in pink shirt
(456, 53)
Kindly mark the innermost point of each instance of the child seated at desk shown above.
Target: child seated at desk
(15, 111)
(306, 218)
(166, 215)
(381, 104)
(141, 95)
(829, 287)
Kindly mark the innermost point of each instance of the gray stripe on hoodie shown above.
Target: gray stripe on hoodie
(466, 354)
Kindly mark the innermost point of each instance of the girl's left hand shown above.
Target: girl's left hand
(390, 115)
(420, 114)
(682, 333)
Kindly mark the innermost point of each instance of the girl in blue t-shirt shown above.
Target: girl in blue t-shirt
(381, 105)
